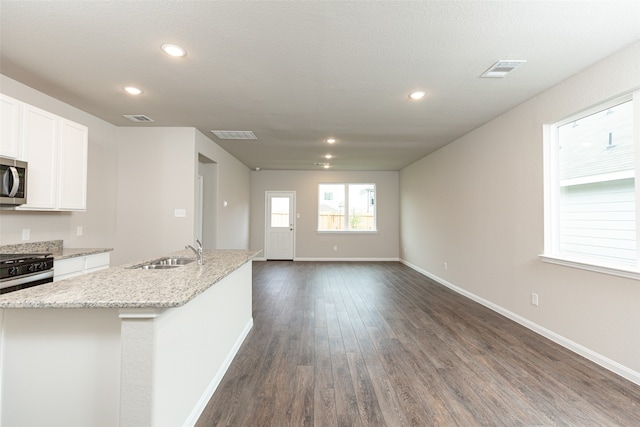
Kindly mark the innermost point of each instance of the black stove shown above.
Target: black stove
(19, 271)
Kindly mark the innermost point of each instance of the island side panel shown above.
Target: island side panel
(60, 367)
(188, 349)
(195, 345)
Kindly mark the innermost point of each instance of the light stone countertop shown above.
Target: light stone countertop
(122, 287)
(65, 253)
(54, 247)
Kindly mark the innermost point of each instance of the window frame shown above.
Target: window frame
(552, 252)
(347, 215)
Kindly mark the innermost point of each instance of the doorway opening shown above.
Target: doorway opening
(206, 216)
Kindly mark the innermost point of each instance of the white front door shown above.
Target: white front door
(279, 225)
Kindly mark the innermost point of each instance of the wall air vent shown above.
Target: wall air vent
(234, 134)
(138, 118)
(502, 68)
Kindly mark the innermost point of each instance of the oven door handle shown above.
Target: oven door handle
(20, 280)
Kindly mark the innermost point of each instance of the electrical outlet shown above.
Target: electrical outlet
(26, 234)
(445, 265)
(534, 299)
(335, 247)
(79, 231)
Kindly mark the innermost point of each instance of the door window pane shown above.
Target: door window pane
(280, 212)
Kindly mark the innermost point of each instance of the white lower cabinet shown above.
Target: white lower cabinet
(71, 267)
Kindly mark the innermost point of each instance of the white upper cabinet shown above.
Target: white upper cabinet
(40, 133)
(56, 152)
(72, 191)
(10, 127)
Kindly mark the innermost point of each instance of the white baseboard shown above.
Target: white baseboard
(336, 259)
(217, 378)
(346, 259)
(583, 351)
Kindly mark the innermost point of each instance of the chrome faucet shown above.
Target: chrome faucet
(197, 251)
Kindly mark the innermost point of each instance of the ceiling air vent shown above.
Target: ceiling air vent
(502, 68)
(138, 118)
(234, 134)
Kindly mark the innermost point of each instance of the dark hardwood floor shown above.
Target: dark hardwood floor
(376, 343)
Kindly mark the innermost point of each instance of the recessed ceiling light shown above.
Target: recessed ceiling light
(417, 95)
(132, 90)
(331, 140)
(328, 156)
(173, 50)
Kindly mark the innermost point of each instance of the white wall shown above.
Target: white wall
(155, 177)
(310, 244)
(477, 204)
(157, 170)
(99, 220)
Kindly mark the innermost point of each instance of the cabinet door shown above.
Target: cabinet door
(40, 147)
(97, 262)
(72, 188)
(10, 127)
(70, 267)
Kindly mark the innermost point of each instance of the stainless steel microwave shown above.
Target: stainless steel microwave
(13, 188)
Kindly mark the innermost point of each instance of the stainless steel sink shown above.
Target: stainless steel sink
(164, 263)
(177, 261)
(156, 267)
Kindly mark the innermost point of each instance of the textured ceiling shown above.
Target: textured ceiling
(298, 72)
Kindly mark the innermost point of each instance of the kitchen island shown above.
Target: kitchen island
(123, 346)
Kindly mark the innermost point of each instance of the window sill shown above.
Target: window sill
(347, 231)
(622, 271)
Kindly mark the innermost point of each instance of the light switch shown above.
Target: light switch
(179, 213)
